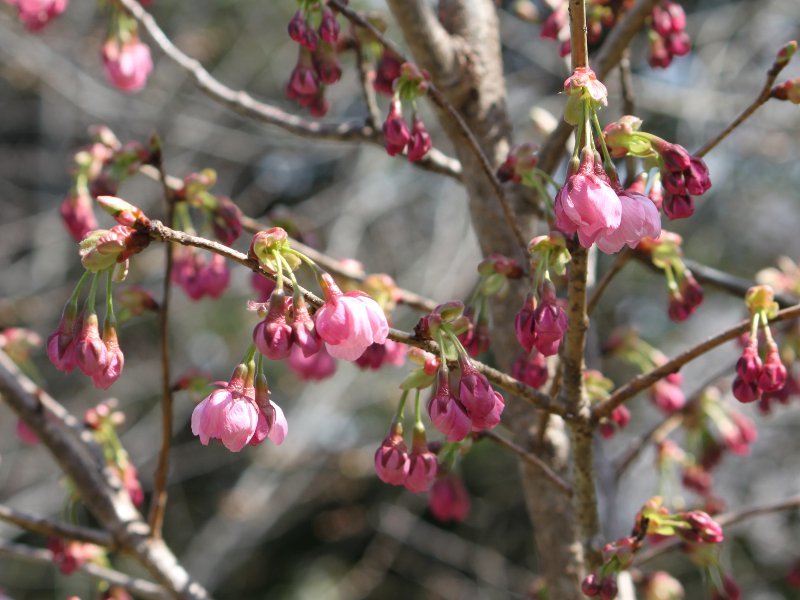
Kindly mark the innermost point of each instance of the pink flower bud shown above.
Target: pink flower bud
(678, 206)
(748, 367)
(36, 14)
(391, 457)
(678, 43)
(449, 499)
(304, 333)
(668, 397)
(702, 528)
(591, 585)
(316, 367)
(90, 351)
(387, 70)
(378, 355)
(551, 323)
(696, 176)
(773, 374)
(297, 27)
(273, 336)
(326, 64)
(745, 391)
(78, 215)
(115, 360)
(553, 24)
(61, 343)
(329, 26)
(661, 21)
(419, 143)
(127, 65)
(691, 291)
(123, 212)
(395, 130)
(525, 324)
(530, 369)
(660, 57)
(226, 220)
(676, 157)
(474, 391)
(422, 466)
(447, 414)
(303, 80)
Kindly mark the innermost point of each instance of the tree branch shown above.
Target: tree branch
(99, 488)
(619, 263)
(159, 231)
(645, 380)
(140, 587)
(244, 104)
(55, 529)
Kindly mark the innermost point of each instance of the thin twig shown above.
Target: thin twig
(140, 587)
(54, 528)
(725, 520)
(645, 380)
(529, 458)
(246, 105)
(763, 96)
(656, 434)
(619, 263)
(367, 89)
(441, 101)
(159, 231)
(158, 504)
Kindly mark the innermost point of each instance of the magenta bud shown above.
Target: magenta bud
(395, 130)
(773, 373)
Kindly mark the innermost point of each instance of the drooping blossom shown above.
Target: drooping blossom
(61, 342)
(349, 323)
(304, 330)
(115, 359)
(550, 321)
(395, 130)
(419, 144)
(198, 276)
(227, 414)
(639, 219)
(91, 355)
(422, 465)
(378, 355)
(391, 457)
(316, 367)
(530, 368)
(667, 394)
(484, 405)
(587, 203)
(446, 412)
(127, 64)
(386, 71)
(449, 500)
(36, 14)
(273, 335)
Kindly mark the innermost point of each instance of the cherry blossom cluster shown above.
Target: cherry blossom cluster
(592, 203)
(685, 293)
(241, 412)
(696, 528)
(99, 170)
(410, 84)
(316, 31)
(103, 420)
(755, 376)
(541, 322)
(36, 14)
(77, 341)
(680, 175)
(194, 271)
(666, 32)
(126, 58)
(70, 555)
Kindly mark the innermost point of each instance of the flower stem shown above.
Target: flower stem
(401, 407)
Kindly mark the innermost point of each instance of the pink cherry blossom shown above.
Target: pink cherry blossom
(448, 414)
(395, 130)
(90, 351)
(587, 204)
(227, 414)
(422, 465)
(115, 360)
(36, 14)
(391, 457)
(349, 323)
(474, 391)
(61, 342)
(273, 335)
(78, 215)
(449, 499)
(127, 65)
(639, 219)
(419, 144)
(316, 367)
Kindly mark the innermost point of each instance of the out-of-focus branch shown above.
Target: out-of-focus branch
(99, 486)
(413, 13)
(367, 90)
(159, 231)
(619, 263)
(54, 528)
(140, 587)
(606, 59)
(763, 96)
(656, 434)
(246, 105)
(642, 382)
(529, 458)
(159, 500)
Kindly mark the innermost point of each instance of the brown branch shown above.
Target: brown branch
(367, 89)
(656, 434)
(578, 32)
(606, 59)
(140, 587)
(99, 487)
(726, 519)
(244, 104)
(642, 382)
(764, 95)
(416, 11)
(619, 263)
(159, 231)
(158, 504)
(529, 458)
(54, 528)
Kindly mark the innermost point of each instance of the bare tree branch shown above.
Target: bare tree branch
(54, 528)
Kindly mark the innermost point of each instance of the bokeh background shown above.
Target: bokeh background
(309, 519)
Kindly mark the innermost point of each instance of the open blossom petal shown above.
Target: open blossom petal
(639, 219)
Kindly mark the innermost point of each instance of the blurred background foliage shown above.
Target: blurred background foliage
(309, 519)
